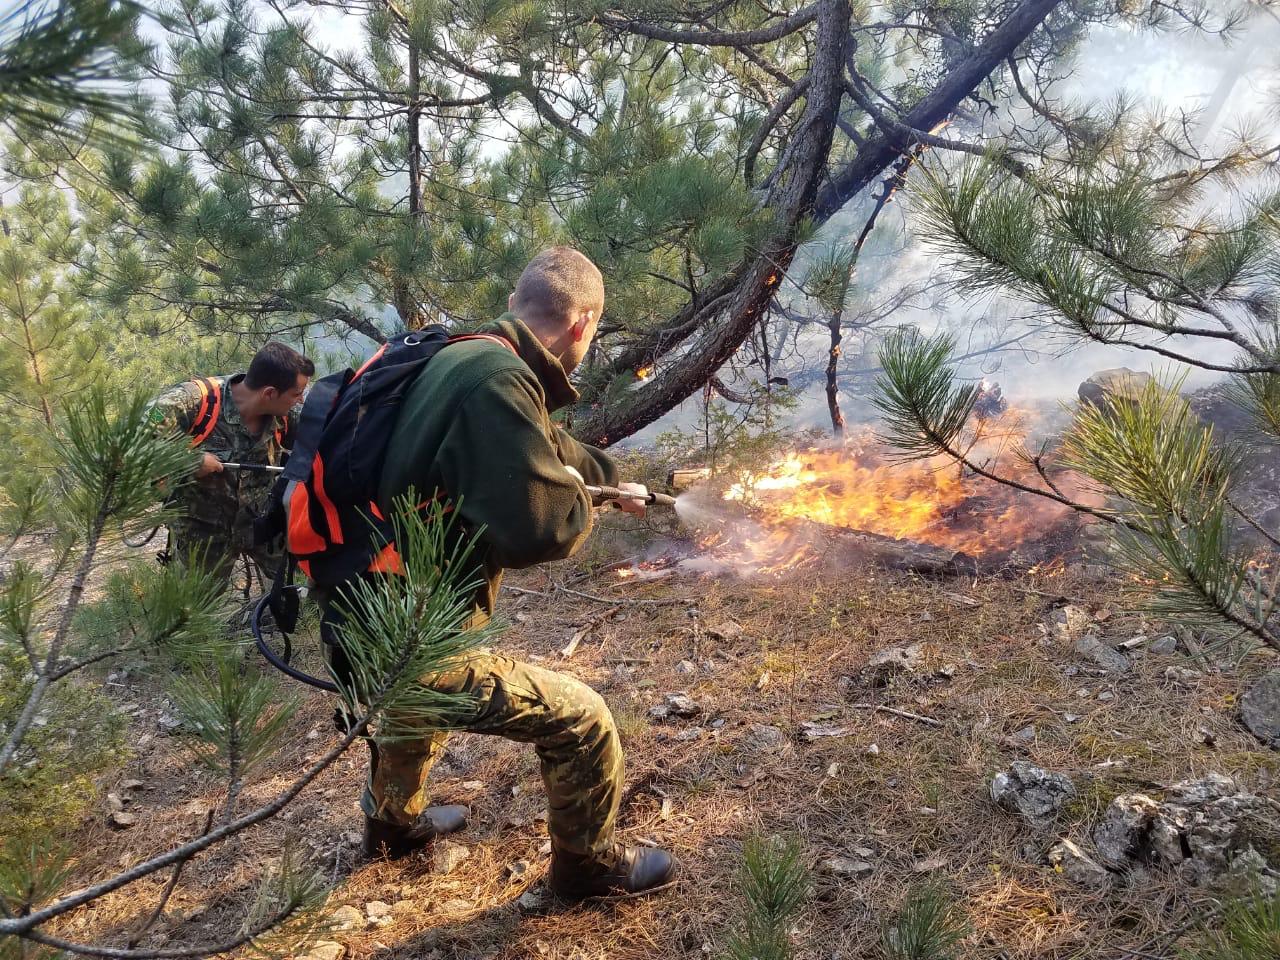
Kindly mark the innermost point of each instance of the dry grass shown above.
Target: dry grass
(921, 803)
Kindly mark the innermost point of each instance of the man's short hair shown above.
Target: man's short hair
(556, 286)
(277, 365)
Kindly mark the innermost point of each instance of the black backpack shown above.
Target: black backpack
(335, 530)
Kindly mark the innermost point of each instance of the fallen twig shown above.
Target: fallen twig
(906, 715)
(572, 646)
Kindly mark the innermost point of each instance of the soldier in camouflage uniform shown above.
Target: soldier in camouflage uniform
(245, 418)
(476, 427)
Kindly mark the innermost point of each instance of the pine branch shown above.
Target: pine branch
(716, 38)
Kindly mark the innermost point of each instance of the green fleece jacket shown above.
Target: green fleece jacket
(477, 426)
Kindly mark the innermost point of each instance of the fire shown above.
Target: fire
(855, 487)
(644, 373)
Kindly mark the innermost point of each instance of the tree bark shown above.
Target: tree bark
(751, 297)
(750, 287)
(833, 386)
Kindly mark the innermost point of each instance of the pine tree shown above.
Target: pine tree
(111, 469)
(407, 176)
(49, 345)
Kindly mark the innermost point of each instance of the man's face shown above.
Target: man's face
(278, 404)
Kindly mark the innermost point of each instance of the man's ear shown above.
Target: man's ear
(584, 322)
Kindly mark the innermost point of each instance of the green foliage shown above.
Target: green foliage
(925, 410)
(50, 785)
(1175, 478)
(235, 717)
(1153, 451)
(31, 871)
(398, 629)
(1249, 930)
(112, 462)
(773, 883)
(1258, 393)
(171, 614)
(59, 63)
(927, 927)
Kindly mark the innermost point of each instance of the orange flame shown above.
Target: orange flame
(854, 487)
(644, 373)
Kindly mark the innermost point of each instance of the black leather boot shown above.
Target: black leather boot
(629, 872)
(393, 841)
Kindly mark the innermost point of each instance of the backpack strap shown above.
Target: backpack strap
(210, 409)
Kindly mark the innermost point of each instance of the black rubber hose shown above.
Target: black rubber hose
(283, 664)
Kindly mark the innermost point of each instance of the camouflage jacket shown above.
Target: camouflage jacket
(227, 502)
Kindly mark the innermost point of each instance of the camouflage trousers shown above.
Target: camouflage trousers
(568, 724)
(215, 550)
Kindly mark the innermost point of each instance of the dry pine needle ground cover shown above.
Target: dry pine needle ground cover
(761, 658)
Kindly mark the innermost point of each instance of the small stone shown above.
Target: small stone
(326, 950)
(1032, 792)
(457, 906)
(1181, 676)
(377, 908)
(1165, 646)
(929, 865)
(114, 803)
(518, 869)
(816, 731)
(352, 838)
(846, 867)
(473, 785)
(536, 900)
(725, 630)
(449, 856)
(1071, 717)
(686, 667)
(1108, 659)
(1074, 864)
(887, 664)
(1260, 709)
(1071, 622)
(689, 735)
(130, 785)
(402, 908)
(313, 734)
(1025, 735)
(1118, 836)
(1106, 696)
(682, 705)
(122, 820)
(347, 917)
(873, 750)
(766, 737)
(659, 711)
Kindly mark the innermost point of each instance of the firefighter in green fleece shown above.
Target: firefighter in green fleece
(477, 427)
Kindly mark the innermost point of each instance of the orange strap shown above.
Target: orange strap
(210, 409)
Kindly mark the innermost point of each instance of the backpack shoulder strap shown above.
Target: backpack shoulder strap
(209, 411)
